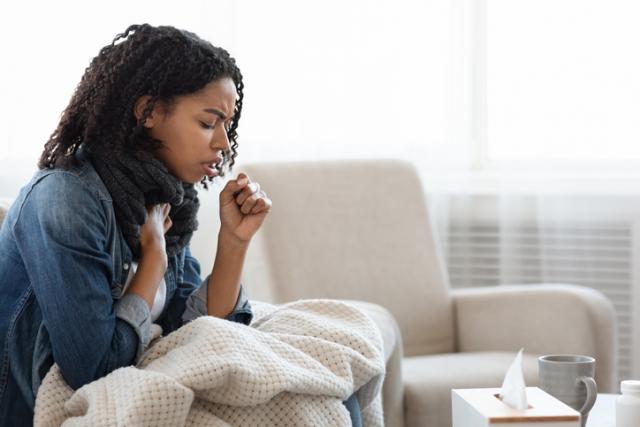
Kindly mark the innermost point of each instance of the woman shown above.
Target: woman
(96, 246)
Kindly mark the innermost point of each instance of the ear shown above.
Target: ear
(138, 109)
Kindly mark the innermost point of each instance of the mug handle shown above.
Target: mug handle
(592, 394)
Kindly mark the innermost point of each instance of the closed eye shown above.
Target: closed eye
(206, 126)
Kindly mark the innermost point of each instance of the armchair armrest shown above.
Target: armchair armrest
(392, 388)
(544, 319)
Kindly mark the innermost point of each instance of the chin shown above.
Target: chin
(189, 179)
(193, 180)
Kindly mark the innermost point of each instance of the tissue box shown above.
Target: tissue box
(480, 407)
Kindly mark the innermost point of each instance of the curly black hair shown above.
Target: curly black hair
(162, 62)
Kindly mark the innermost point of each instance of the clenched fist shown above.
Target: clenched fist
(243, 208)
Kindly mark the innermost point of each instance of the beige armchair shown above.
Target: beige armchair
(359, 230)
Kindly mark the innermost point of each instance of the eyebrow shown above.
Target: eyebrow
(216, 112)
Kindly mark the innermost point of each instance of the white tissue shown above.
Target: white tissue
(514, 392)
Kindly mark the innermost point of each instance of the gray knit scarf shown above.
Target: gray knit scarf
(139, 180)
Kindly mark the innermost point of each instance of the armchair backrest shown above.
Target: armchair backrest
(352, 230)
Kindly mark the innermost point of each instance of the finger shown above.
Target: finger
(262, 205)
(167, 224)
(263, 202)
(251, 188)
(233, 187)
(249, 203)
(241, 181)
(153, 212)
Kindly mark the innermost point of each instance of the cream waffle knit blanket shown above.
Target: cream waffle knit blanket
(293, 365)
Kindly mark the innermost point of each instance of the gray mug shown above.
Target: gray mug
(569, 378)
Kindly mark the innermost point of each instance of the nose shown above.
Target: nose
(220, 139)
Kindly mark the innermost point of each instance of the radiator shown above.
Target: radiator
(600, 255)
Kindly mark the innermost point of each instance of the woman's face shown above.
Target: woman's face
(194, 131)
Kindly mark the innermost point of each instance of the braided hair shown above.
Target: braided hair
(162, 62)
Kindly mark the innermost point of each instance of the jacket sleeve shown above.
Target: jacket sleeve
(62, 234)
(190, 299)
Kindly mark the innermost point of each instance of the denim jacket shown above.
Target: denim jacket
(63, 265)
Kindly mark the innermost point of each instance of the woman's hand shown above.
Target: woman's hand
(153, 255)
(153, 230)
(243, 208)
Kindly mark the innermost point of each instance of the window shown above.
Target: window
(562, 81)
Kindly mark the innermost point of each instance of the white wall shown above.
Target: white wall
(323, 79)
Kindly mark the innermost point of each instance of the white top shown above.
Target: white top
(161, 293)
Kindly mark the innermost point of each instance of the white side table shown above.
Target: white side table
(603, 413)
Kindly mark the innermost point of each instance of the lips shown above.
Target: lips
(209, 167)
